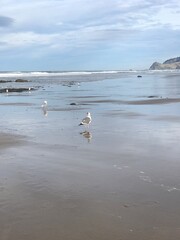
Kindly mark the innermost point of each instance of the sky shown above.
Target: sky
(67, 35)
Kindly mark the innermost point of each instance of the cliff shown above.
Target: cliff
(173, 63)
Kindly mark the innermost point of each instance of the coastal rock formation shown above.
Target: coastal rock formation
(173, 63)
(172, 60)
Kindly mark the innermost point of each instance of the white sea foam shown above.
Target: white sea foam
(39, 74)
(74, 73)
(51, 73)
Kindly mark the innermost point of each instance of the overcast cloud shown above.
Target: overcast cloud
(76, 34)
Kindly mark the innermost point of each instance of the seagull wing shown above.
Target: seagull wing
(86, 120)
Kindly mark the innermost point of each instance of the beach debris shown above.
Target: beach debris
(87, 120)
(69, 83)
(126, 205)
(139, 76)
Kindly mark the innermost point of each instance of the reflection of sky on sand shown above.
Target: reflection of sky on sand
(112, 122)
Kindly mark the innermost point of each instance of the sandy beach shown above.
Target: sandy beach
(117, 179)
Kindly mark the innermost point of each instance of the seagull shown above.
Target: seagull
(44, 105)
(7, 91)
(87, 120)
(44, 108)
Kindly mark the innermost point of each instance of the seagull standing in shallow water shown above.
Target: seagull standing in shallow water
(87, 120)
(44, 105)
(44, 108)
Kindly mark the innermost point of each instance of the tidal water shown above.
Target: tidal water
(117, 179)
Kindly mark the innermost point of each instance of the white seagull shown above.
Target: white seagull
(44, 105)
(44, 108)
(87, 120)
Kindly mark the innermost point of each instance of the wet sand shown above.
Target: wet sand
(117, 179)
(134, 102)
(10, 140)
(72, 192)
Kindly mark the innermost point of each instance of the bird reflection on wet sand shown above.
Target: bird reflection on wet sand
(87, 135)
(45, 112)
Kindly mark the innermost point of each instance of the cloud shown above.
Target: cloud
(5, 21)
(60, 26)
(53, 16)
(27, 39)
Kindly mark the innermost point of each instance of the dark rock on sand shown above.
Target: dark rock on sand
(5, 81)
(73, 104)
(21, 80)
(151, 96)
(69, 84)
(3, 90)
(139, 76)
